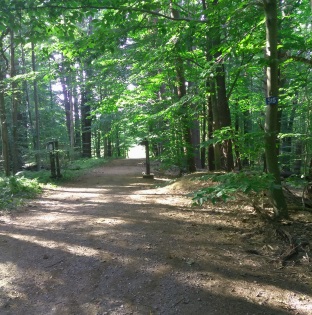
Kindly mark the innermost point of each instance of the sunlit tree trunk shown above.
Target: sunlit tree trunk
(26, 98)
(68, 101)
(86, 135)
(215, 125)
(77, 126)
(224, 118)
(271, 118)
(16, 117)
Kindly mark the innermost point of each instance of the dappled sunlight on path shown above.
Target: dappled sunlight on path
(114, 243)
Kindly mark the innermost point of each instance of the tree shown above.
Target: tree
(3, 115)
(271, 120)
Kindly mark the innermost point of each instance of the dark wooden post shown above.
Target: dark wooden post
(57, 160)
(147, 161)
(51, 148)
(148, 165)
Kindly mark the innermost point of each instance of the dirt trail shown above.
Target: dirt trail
(114, 243)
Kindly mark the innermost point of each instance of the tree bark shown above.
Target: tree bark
(86, 123)
(16, 117)
(68, 102)
(223, 153)
(77, 126)
(225, 118)
(37, 118)
(186, 130)
(271, 118)
(181, 92)
(4, 125)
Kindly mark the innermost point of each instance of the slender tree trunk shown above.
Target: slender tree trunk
(215, 123)
(203, 135)
(181, 92)
(4, 124)
(98, 143)
(65, 89)
(271, 118)
(211, 148)
(29, 120)
(286, 146)
(86, 123)
(225, 118)
(71, 117)
(118, 150)
(77, 121)
(37, 118)
(109, 147)
(186, 130)
(210, 110)
(105, 146)
(16, 119)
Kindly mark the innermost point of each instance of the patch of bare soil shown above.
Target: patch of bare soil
(114, 243)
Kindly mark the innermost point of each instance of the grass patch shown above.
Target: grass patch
(28, 184)
(15, 189)
(69, 172)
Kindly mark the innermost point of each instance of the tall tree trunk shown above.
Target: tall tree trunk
(4, 124)
(97, 139)
(211, 148)
(286, 146)
(77, 121)
(215, 124)
(29, 120)
(204, 135)
(37, 118)
(186, 130)
(67, 103)
(86, 123)
(109, 147)
(271, 118)
(221, 110)
(210, 110)
(16, 119)
(181, 92)
(225, 118)
(71, 117)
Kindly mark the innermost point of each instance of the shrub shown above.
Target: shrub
(14, 189)
(227, 185)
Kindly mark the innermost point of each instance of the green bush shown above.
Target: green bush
(227, 185)
(27, 184)
(14, 189)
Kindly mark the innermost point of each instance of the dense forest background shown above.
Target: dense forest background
(223, 85)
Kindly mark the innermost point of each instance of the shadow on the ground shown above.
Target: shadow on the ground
(118, 255)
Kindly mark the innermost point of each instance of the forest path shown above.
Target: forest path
(114, 243)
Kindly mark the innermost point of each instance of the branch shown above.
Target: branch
(285, 56)
(299, 59)
(237, 75)
(121, 8)
(3, 34)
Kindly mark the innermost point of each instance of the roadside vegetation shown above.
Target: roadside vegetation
(27, 184)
